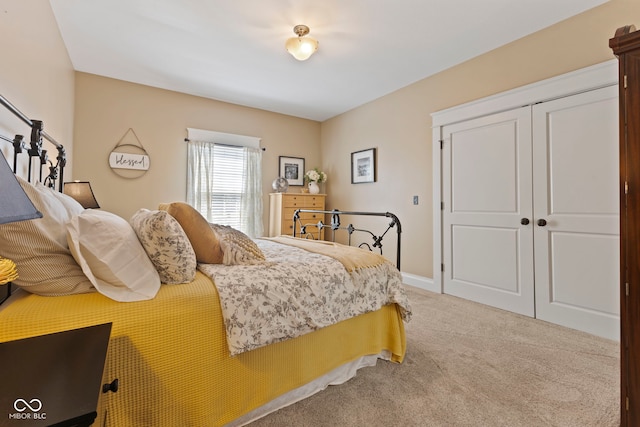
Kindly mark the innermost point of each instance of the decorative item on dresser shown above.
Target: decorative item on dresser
(280, 185)
(292, 169)
(314, 177)
(283, 205)
(626, 46)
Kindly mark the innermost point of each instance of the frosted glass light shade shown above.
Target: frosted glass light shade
(301, 47)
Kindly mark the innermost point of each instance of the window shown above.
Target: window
(224, 183)
(227, 185)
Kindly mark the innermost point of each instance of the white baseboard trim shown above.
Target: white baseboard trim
(421, 282)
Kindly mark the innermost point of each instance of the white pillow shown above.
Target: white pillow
(70, 204)
(108, 250)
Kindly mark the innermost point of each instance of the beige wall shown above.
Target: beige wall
(399, 124)
(107, 108)
(36, 75)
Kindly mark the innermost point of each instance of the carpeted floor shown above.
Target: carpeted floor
(472, 365)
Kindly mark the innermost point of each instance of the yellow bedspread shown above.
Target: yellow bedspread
(171, 357)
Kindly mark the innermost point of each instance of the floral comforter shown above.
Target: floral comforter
(295, 292)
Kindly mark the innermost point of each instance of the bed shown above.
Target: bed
(173, 324)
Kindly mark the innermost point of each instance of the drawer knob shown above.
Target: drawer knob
(112, 386)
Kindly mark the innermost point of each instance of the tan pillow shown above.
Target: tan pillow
(238, 248)
(40, 250)
(203, 239)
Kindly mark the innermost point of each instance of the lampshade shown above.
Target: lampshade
(14, 202)
(82, 192)
(301, 47)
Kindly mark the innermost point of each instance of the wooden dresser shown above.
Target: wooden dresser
(283, 205)
(626, 46)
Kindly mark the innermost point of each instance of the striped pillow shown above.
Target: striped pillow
(40, 250)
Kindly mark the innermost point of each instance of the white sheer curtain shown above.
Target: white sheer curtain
(246, 213)
(200, 177)
(251, 199)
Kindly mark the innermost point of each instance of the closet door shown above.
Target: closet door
(487, 213)
(576, 205)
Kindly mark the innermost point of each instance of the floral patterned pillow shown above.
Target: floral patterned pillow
(166, 244)
(237, 247)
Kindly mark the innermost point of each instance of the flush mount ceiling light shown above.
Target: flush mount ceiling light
(301, 47)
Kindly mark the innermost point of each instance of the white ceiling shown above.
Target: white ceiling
(233, 50)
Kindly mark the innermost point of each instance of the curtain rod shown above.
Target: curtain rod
(4, 101)
(225, 145)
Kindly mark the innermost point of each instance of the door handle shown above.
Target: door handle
(524, 221)
(542, 222)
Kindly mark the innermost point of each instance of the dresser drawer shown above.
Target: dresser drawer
(311, 229)
(303, 202)
(287, 215)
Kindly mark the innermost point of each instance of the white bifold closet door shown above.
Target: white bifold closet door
(487, 192)
(577, 252)
(530, 215)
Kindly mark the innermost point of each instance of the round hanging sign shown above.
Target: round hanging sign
(129, 160)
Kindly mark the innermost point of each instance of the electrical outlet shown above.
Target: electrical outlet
(415, 200)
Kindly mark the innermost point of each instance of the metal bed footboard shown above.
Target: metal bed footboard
(300, 228)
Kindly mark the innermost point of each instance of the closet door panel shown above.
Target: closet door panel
(575, 162)
(486, 256)
(578, 279)
(483, 177)
(487, 252)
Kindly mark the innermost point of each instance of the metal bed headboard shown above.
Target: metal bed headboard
(335, 225)
(56, 171)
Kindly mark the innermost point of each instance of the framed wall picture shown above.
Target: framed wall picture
(292, 169)
(363, 166)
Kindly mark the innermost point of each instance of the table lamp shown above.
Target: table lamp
(81, 191)
(14, 202)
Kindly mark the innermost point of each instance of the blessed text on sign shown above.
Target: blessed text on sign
(129, 161)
